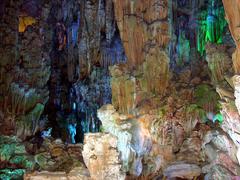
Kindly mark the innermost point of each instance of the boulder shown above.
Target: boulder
(101, 157)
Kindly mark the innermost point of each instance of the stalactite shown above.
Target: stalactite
(156, 71)
(183, 49)
(111, 55)
(211, 25)
(219, 62)
(145, 24)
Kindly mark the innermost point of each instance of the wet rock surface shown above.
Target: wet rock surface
(101, 156)
(187, 171)
(78, 173)
(232, 16)
(24, 73)
(178, 134)
(49, 157)
(142, 25)
(155, 77)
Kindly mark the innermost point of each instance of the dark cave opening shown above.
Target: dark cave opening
(74, 101)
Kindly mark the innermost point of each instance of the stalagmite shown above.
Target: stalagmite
(119, 89)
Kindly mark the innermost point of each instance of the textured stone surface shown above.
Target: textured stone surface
(89, 96)
(186, 171)
(13, 154)
(142, 24)
(231, 123)
(98, 35)
(24, 73)
(232, 9)
(101, 157)
(166, 133)
(46, 175)
(48, 155)
(162, 121)
(221, 155)
(154, 138)
(133, 138)
(85, 43)
(131, 88)
(219, 62)
(231, 110)
(218, 172)
(78, 173)
(236, 83)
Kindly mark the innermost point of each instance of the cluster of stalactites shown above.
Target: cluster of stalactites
(211, 26)
(152, 80)
(112, 57)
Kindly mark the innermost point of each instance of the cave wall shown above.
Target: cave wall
(63, 42)
(25, 71)
(9, 38)
(110, 66)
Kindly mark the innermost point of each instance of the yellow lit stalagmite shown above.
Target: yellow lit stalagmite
(25, 21)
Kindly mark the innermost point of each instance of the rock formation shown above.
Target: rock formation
(92, 45)
(24, 73)
(101, 157)
(46, 155)
(232, 16)
(119, 89)
(142, 24)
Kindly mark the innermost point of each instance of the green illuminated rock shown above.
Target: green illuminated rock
(23, 161)
(211, 26)
(9, 146)
(8, 174)
(206, 97)
(6, 151)
(218, 117)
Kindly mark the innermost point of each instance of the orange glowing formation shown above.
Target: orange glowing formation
(24, 22)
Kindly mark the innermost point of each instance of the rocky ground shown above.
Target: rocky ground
(49, 157)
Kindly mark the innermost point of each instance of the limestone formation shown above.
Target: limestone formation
(232, 16)
(219, 62)
(101, 157)
(43, 154)
(142, 24)
(148, 80)
(236, 84)
(24, 73)
(186, 171)
(77, 173)
(119, 89)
